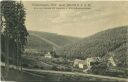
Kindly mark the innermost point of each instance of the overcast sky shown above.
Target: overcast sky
(80, 23)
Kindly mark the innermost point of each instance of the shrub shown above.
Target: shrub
(25, 65)
(100, 68)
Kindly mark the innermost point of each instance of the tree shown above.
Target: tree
(14, 31)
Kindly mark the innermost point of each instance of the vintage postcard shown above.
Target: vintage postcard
(59, 41)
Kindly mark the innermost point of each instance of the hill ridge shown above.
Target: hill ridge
(100, 44)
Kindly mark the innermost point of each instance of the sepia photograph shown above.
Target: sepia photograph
(63, 41)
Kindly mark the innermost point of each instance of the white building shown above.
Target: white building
(48, 55)
(79, 63)
(111, 61)
(85, 63)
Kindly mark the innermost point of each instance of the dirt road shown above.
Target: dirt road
(69, 73)
(79, 74)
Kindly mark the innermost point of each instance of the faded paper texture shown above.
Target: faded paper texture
(65, 41)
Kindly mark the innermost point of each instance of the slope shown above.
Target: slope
(100, 44)
(44, 41)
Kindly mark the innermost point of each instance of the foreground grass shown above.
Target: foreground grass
(75, 76)
(42, 76)
(18, 76)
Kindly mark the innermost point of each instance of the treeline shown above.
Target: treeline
(14, 33)
(100, 44)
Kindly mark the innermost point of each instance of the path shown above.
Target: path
(69, 73)
(81, 74)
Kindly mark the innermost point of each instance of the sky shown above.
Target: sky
(76, 22)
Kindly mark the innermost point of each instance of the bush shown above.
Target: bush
(42, 68)
(54, 68)
(100, 68)
(25, 65)
(68, 69)
(36, 66)
(117, 72)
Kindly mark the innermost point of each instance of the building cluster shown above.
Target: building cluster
(89, 62)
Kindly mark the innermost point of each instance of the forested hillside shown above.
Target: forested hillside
(37, 43)
(101, 44)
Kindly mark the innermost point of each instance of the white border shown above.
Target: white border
(65, 0)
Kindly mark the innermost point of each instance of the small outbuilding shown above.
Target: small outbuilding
(79, 63)
(111, 62)
(48, 55)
